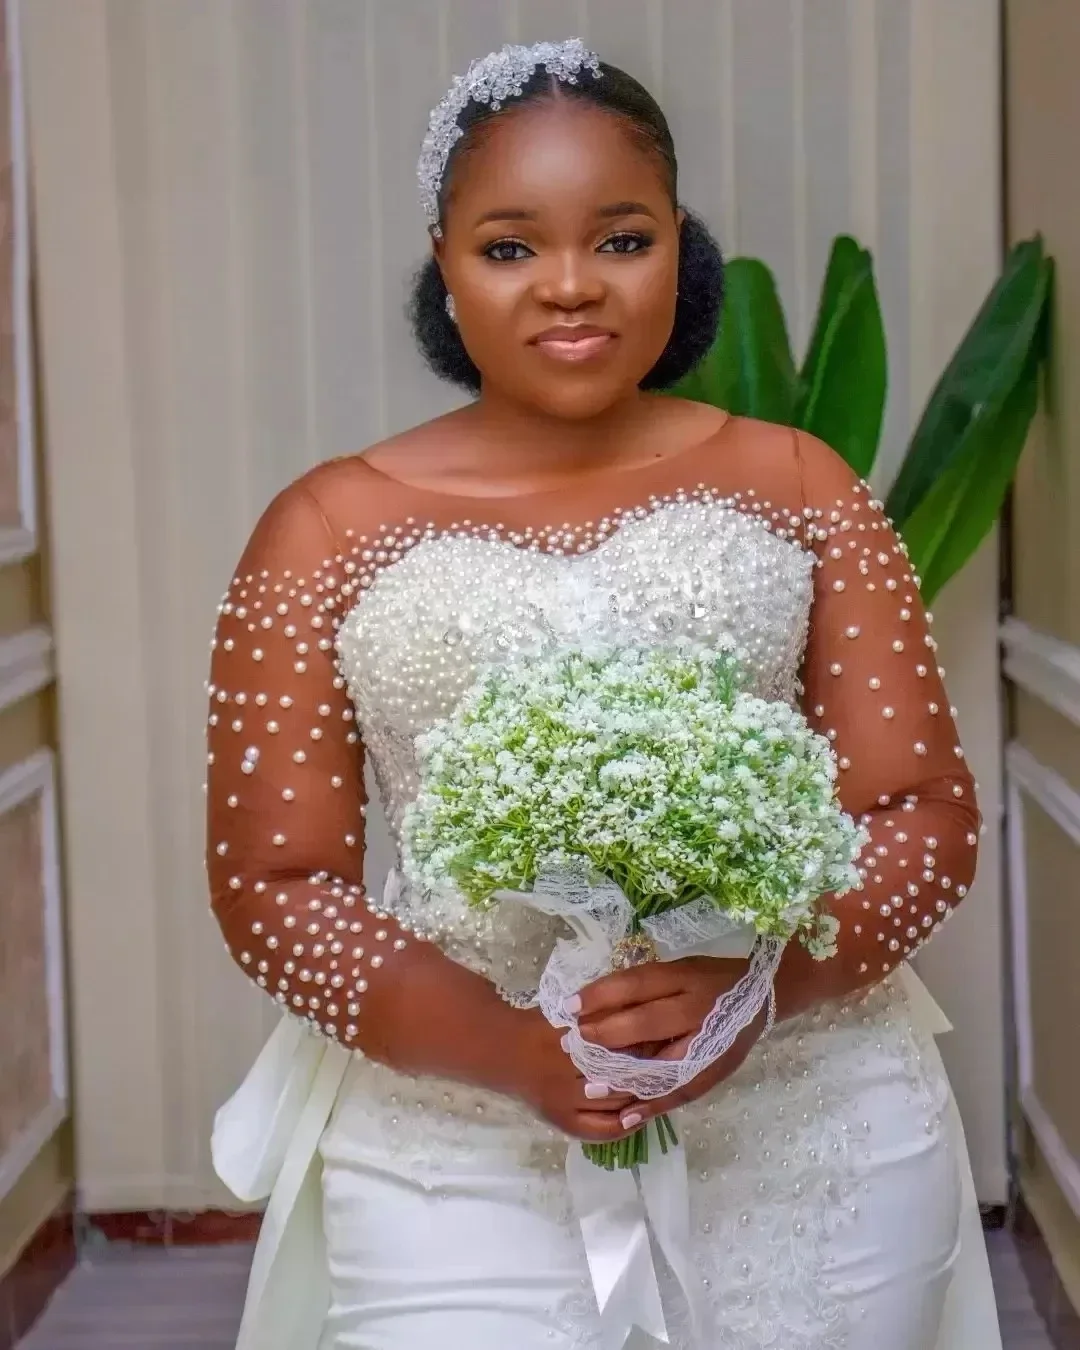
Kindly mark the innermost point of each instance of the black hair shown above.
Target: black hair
(701, 267)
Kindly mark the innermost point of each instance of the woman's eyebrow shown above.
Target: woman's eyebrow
(609, 212)
(504, 213)
(626, 209)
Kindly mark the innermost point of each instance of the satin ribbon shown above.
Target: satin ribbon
(622, 1211)
(617, 1211)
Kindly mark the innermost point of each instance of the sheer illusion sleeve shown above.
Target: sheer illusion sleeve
(285, 779)
(872, 684)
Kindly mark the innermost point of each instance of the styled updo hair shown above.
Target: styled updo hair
(701, 267)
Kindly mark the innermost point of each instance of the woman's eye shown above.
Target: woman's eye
(625, 243)
(507, 250)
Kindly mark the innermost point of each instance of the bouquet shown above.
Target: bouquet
(650, 772)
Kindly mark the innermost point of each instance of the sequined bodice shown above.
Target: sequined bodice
(417, 639)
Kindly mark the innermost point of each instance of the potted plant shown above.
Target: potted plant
(963, 454)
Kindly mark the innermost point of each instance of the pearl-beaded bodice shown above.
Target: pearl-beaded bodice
(363, 608)
(417, 639)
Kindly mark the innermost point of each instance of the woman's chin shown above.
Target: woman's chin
(580, 400)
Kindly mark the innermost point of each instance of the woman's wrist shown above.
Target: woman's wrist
(803, 983)
(435, 1018)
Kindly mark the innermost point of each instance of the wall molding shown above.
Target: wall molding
(21, 539)
(27, 664)
(171, 1227)
(1043, 666)
(1058, 798)
(1065, 1168)
(1028, 779)
(44, 1263)
(36, 778)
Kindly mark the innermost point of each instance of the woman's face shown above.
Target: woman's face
(561, 250)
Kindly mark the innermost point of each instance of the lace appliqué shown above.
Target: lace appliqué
(775, 1169)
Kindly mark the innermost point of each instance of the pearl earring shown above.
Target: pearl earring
(451, 308)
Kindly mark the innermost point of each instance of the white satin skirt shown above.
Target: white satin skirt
(830, 1199)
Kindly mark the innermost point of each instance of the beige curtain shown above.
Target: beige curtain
(227, 222)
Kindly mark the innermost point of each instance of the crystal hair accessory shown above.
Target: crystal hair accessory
(491, 79)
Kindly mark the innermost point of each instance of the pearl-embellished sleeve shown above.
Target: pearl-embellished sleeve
(285, 778)
(872, 684)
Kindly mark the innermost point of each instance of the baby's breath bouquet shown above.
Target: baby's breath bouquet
(651, 768)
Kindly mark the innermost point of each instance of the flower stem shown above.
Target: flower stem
(633, 1150)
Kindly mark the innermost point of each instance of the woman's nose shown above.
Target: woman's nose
(570, 281)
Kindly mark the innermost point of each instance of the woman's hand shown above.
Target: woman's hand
(662, 1002)
(542, 1074)
(655, 1011)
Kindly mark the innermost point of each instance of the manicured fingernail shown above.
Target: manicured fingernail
(597, 1090)
(632, 1121)
(565, 1042)
(572, 1006)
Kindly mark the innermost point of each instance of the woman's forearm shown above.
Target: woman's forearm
(435, 1017)
(315, 946)
(916, 869)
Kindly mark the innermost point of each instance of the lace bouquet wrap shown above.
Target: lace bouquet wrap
(641, 795)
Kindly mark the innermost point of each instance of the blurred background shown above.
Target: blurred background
(208, 222)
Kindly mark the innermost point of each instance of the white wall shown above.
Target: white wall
(226, 222)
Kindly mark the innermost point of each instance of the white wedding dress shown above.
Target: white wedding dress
(831, 1201)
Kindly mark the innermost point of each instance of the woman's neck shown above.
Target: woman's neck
(528, 446)
(495, 448)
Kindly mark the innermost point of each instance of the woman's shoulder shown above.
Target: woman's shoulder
(779, 446)
(789, 464)
(353, 494)
(369, 468)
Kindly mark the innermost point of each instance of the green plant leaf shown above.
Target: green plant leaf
(844, 378)
(982, 374)
(958, 511)
(846, 261)
(749, 370)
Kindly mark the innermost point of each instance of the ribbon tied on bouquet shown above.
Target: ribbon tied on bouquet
(617, 1209)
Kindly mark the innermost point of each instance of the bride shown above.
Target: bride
(411, 1121)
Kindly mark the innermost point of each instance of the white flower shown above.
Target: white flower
(653, 765)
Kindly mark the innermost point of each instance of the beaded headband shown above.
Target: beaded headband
(491, 79)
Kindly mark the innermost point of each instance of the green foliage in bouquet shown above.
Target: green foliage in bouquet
(652, 766)
(963, 454)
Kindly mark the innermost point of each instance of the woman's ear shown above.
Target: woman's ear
(680, 217)
(438, 247)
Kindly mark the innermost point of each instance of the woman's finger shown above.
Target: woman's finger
(656, 980)
(641, 1111)
(599, 1097)
(597, 1128)
(627, 989)
(677, 1048)
(663, 1020)
(638, 1112)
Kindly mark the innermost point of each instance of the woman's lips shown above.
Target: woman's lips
(574, 344)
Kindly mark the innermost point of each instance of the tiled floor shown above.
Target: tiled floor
(1021, 1326)
(181, 1298)
(189, 1299)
